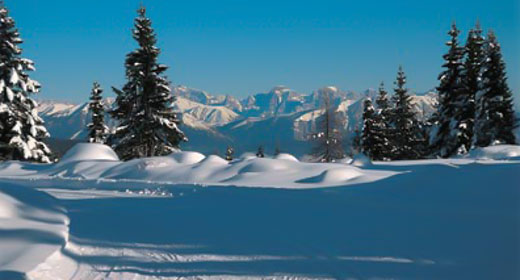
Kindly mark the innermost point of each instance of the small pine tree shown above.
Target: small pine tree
(277, 150)
(329, 145)
(148, 125)
(229, 153)
(403, 121)
(98, 131)
(21, 129)
(451, 134)
(496, 117)
(260, 152)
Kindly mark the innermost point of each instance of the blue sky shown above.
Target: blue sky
(244, 47)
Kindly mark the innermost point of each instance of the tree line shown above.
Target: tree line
(475, 107)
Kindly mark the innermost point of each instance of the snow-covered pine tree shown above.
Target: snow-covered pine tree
(369, 138)
(229, 153)
(329, 145)
(403, 122)
(471, 80)
(98, 131)
(148, 125)
(260, 152)
(383, 113)
(21, 129)
(495, 115)
(450, 136)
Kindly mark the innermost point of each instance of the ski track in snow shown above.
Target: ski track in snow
(61, 265)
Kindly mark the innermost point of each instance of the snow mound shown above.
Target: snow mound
(213, 160)
(499, 152)
(248, 156)
(187, 157)
(361, 160)
(264, 165)
(333, 176)
(345, 160)
(286, 157)
(89, 151)
(98, 162)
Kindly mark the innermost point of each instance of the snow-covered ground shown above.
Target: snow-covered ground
(190, 216)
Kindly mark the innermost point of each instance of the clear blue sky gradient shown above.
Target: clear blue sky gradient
(244, 47)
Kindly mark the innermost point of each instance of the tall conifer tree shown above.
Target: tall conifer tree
(495, 115)
(449, 134)
(403, 120)
(21, 129)
(370, 139)
(383, 119)
(148, 125)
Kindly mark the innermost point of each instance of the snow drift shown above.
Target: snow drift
(99, 162)
(32, 227)
(499, 152)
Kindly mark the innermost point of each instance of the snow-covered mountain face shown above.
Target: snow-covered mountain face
(280, 118)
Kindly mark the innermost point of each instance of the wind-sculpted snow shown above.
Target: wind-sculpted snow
(99, 162)
(32, 227)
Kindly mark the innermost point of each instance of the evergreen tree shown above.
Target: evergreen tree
(471, 81)
(369, 139)
(98, 131)
(21, 129)
(148, 125)
(260, 152)
(451, 132)
(495, 117)
(383, 118)
(329, 145)
(403, 122)
(229, 153)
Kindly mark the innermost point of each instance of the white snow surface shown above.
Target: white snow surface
(89, 152)
(92, 216)
(32, 227)
(499, 152)
(98, 162)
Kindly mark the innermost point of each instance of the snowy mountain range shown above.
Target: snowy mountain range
(280, 118)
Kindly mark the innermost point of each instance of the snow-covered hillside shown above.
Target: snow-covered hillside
(190, 216)
(244, 124)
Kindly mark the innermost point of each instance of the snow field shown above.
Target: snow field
(149, 218)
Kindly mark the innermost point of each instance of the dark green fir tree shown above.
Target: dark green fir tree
(495, 114)
(449, 133)
(148, 125)
(403, 122)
